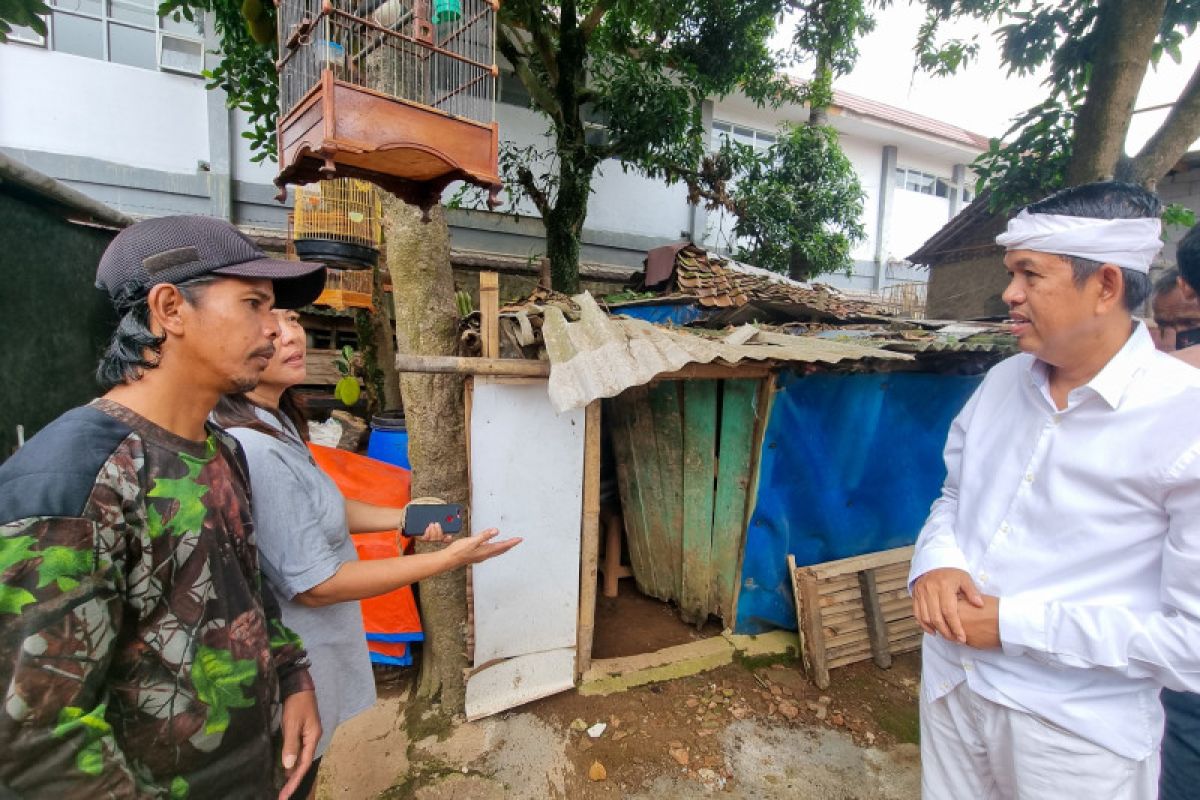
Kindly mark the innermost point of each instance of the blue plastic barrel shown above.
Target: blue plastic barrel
(389, 439)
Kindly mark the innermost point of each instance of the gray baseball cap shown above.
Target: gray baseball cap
(176, 249)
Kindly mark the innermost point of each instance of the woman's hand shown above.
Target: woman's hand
(477, 548)
(434, 534)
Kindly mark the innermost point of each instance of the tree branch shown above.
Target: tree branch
(594, 17)
(1171, 140)
(519, 59)
(529, 185)
(546, 50)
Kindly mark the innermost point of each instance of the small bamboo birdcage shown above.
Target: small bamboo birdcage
(343, 288)
(399, 92)
(338, 222)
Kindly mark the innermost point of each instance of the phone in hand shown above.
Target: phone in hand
(419, 517)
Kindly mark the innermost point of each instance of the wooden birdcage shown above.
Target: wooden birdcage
(398, 92)
(338, 222)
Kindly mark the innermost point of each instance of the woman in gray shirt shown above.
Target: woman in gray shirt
(302, 526)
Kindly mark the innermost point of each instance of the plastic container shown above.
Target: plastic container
(389, 439)
(445, 11)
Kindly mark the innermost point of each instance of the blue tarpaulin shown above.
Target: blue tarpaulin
(850, 465)
(664, 313)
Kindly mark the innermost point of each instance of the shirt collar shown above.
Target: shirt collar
(1111, 382)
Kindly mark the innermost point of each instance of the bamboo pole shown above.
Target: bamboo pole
(590, 540)
(454, 365)
(489, 313)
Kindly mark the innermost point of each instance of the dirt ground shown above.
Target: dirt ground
(736, 732)
(754, 731)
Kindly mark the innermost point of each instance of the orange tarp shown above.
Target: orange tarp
(391, 619)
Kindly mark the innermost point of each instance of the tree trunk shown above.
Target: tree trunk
(383, 334)
(1124, 38)
(418, 258)
(564, 225)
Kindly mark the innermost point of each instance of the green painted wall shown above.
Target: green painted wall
(54, 323)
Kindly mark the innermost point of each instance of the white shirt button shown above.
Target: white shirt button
(968, 666)
(1029, 477)
(1004, 527)
(983, 577)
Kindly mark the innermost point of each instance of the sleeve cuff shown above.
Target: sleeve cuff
(1022, 626)
(295, 681)
(932, 558)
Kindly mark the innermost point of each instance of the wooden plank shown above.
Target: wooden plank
(850, 580)
(811, 625)
(738, 405)
(667, 413)
(635, 509)
(855, 620)
(454, 365)
(657, 556)
(699, 445)
(798, 600)
(844, 566)
(590, 542)
(489, 313)
(887, 591)
(877, 627)
(838, 646)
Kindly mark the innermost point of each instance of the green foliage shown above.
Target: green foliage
(246, 70)
(219, 679)
(463, 302)
(1179, 216)
(827, 32)
(24, 14)
(346, 389)
(1032, 160)
(799, 205)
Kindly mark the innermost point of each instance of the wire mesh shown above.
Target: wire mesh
(339, 210)
(441, 56)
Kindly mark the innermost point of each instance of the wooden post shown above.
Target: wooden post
(590, 540)
(877, 628)
(454, 365)
(814, 633)
(489, 313)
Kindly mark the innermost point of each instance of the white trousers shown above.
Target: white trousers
(974, 749)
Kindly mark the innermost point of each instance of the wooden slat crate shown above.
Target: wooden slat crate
(854, 609)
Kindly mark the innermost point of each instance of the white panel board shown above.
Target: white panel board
(526, 480)
(519, 680)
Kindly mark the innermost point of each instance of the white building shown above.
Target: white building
(112, 103)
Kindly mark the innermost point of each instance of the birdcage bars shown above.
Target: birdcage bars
(387, 91)
(339, 222)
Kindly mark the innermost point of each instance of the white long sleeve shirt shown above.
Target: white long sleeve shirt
(1085, 522)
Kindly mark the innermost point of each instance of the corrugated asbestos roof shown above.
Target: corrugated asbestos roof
(600, 356)
(906, 119)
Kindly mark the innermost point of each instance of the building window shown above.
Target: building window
(727, 131)
(122, 31)
(922, 182)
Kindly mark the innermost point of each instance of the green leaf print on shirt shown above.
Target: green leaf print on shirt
(219, 678)
(14, 550)
(179, 788)
(189, 517)
(90, 758)
(63, 566)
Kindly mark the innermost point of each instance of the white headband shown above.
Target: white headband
(1129, 243)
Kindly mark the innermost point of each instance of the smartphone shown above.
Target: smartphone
(419, 517)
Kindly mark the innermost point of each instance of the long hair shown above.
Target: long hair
(134, 347)
(238, 411)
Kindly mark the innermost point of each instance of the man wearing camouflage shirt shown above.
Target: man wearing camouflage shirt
(140, 656)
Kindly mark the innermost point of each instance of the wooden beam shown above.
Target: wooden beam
(846, 566)
(716, 372)
(454, 365)
(590, 540)
(877, 627)
(489, 313)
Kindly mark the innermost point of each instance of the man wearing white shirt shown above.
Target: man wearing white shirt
(1056, 576)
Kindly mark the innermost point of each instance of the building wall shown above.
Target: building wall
(151, 143)
(967, 289)
(49, 268)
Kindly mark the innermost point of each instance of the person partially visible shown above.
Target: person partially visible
(1176, 311)
(303, 524)
(1180, 776)
(140, 656)
(1057, 577)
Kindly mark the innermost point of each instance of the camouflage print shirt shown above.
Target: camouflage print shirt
(139, 655)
